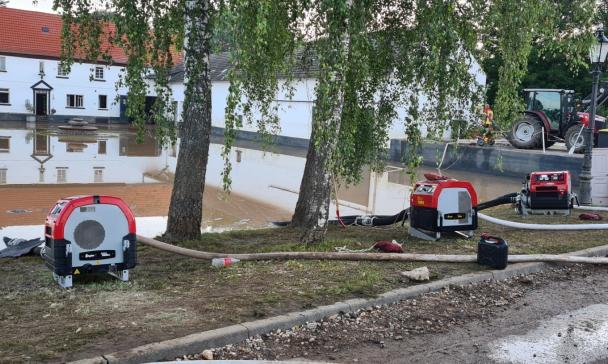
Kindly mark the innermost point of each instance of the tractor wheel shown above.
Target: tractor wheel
(525, 133)
(572, 137)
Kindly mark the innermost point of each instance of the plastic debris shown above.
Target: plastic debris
(18, 247)
(590, 216)
(223, 262)
(386, 246)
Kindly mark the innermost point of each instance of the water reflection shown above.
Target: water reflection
(39, 165)
(42, 164)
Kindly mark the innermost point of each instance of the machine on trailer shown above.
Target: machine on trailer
(546, 193)
(442, 205)
(556, 111)
(86, 234)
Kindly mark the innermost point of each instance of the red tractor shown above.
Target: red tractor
(555, 110)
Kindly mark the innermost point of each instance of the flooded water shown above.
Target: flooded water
(576, 337)
(41, 164)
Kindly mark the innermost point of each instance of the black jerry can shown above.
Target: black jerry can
(492, 252)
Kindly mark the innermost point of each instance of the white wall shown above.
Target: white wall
(295, 113)
(22, 73)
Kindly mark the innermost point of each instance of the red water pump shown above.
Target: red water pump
(546, 193)
(86, 234)
(442, 205)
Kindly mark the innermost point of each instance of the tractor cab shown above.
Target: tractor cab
(556, 106)
(552, 115)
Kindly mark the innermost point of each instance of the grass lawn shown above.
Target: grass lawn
(171, 296)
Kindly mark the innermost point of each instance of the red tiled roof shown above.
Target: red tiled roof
(32, 33)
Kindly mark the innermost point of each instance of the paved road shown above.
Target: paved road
(558, 322)
(559, 316)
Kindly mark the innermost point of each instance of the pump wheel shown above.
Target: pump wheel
(526, 133)
(573, 137)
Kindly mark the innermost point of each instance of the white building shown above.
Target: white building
(33, 83)
(295, 112)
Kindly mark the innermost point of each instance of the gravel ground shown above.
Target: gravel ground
(456, 324)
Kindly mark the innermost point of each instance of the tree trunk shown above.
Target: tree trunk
(186, 208)
(312, 209)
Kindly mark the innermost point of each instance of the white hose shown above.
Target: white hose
(591, 208)
(520, 225)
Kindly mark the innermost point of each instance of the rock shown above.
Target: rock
(312, 325)
(207, 354)
(418, 274)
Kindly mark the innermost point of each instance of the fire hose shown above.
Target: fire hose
(380, 220)
(510, 198)
(394, 257)
(527, 226)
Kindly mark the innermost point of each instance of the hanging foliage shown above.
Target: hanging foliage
(150, 35)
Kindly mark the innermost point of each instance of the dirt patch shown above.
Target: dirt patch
(171, 296)
(414, 326)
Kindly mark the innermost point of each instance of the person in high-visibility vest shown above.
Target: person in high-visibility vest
(488, 127)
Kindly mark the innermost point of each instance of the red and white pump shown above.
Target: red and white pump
(441, 204)
(546, 193)
(86, 234)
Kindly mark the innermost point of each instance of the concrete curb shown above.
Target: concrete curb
(236, 333)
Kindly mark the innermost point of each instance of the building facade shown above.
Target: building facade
(33, 85)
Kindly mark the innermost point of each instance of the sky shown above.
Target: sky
(39, 5)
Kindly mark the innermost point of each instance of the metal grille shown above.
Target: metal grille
(464, 205)
(89, 234)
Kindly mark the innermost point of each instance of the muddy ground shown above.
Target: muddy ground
(457, 325)
(171, 296)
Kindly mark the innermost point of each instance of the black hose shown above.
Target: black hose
(502, 200)
(384, 220)
(373, 220)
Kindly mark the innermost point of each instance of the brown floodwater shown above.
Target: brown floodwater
(41, 164)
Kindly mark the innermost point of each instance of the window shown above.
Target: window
(103, 101)
(98, 174)
(41, 144)
(2, 64)
(5, 144)
(4, 99)
(548, 102)
(101, 147)
(62, 174)
(62, 71)
(3, 176)
(99, 73)
(41, 67)
(75, 101)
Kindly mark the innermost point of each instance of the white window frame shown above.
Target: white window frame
(3, 173)
(105, 147)
(62, 174)
(2, 64)
(98, 174)
(62, 72)
(75, 99)
(8, 92)
(8, 140)
(99, 71)
(99, 102)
